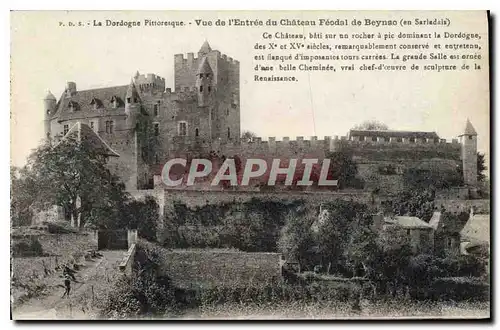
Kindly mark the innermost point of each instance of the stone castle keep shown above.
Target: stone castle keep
(202, 115)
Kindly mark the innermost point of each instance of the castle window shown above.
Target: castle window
(157, 129)
(182, 128)
(400, 139)
(95, 103)
(65, 129)
(228, 133)
(408, 232)
(436, 140)
(114, 103)
(197, 132)
(470, 137)
(374, 138)
(72, 106)
(209, 88)
(387, 139)
(109, 127)
(128, 99)
(157, 160)
(92, 125)
(412, 140)
(201, 89)
(156, 108)
(361, 138)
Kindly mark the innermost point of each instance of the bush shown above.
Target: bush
(144, 216)
(460, 288)
(145, 292)
(27, 248)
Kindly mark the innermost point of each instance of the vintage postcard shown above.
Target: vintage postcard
(250, 165)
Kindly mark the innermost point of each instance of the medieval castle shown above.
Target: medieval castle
(202, 114)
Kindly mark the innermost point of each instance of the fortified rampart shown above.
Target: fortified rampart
(361, 150)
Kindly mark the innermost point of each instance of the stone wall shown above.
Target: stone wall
(193, 198)
(481, 206)
(194, 268)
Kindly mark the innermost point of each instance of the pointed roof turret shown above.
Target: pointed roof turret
(50, 96)
(469, 129)
(205, 48)
(132, 91)
(204, 67)
(137, 74)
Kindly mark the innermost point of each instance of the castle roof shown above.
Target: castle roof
(205, 48)
(469, 129)
(396, 134)
(85, 108)
(81, 131)
(50, 96)
(408, 222)
(445, 223)
(204, 66)
(477, 229)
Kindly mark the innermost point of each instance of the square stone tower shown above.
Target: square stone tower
(216, 78)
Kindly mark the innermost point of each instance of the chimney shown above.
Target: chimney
(70, 89)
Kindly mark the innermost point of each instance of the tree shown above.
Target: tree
(247, 136)
(362, 251)
(414, 202)
(74, 175)
(334, 234)
(144, 217)
(481, 167)
(22, 196)
(296, 238)
(343, 168)
(371, 125)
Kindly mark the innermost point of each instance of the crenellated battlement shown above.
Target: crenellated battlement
(344, 140)
(315, 147)
(182, 94)
(191, 59)
(149, 82)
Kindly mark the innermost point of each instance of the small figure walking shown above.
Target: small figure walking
(69, 272)
(67, 285)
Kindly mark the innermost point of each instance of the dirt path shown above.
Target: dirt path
(54, 306)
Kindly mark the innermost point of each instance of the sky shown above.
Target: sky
(44, 56)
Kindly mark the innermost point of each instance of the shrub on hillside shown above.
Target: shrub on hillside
(145, 292)
(143, 216)
(29, 247)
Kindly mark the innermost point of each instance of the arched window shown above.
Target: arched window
(201, 89)
(197, 132)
